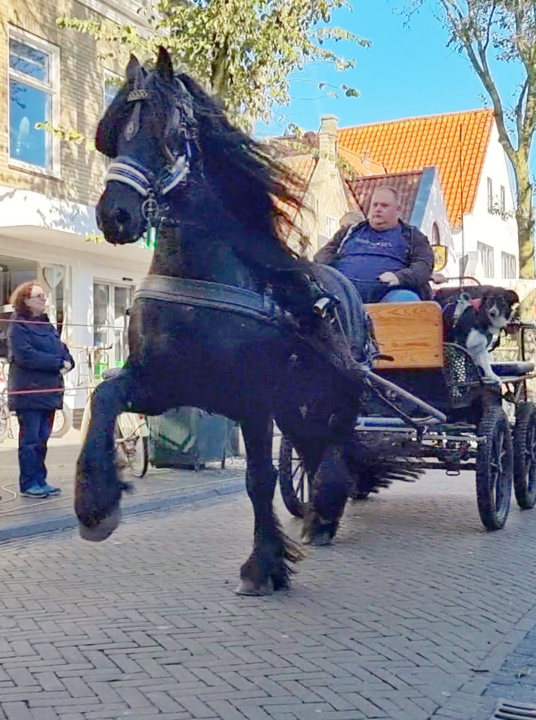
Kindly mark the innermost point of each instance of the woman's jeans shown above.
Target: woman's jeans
(35, 427)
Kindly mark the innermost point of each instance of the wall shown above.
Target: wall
(80, 97)
(482, 226)
(429, 209)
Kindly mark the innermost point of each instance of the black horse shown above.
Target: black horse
(224, 319)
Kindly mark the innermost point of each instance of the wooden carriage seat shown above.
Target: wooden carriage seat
(412, 333)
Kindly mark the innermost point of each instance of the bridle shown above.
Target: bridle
(155, 187)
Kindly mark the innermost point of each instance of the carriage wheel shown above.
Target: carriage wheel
(494, 468)
(293, 480)
(525, 455)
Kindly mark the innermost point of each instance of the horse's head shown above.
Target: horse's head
(148, 132)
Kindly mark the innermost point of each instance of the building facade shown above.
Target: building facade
(49, 187)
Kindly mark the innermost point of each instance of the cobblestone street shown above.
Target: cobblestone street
(415, 612)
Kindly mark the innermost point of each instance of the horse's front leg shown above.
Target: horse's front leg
(98, 488)
(267, 568)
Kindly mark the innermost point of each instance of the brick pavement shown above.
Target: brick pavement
(20, 517)
(409, 616)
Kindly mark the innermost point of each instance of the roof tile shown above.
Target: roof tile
(414, 143)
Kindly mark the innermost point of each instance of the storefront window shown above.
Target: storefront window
(110, 305)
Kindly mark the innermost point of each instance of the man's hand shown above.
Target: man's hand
(389, 278)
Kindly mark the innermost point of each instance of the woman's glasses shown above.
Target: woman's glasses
(41, 296)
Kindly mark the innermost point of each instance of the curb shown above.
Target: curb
(68, 521)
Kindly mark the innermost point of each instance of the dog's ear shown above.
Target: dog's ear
(512, 297)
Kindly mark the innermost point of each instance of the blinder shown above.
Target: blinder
(128, 171)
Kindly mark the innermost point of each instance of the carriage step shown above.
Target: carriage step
(386, 422)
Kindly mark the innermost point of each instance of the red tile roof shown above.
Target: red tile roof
(455, 143)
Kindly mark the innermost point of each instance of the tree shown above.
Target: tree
(244, 51)
(504, 30)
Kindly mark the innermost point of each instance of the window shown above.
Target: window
(486, 256)
(331, 226)
(490, 195)
(33, 98)
(110, 304)
(503, 201)
(508, 266)
(112, 83)
(463, 265)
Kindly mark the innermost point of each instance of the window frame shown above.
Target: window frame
(489, 186)
(53, 89)
(508, 258)
(331, 226)
(490, 252)
(111, 329)
(502, 201)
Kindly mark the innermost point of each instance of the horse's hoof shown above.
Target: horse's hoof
(317, 540)
(248, 587)
(102, 531)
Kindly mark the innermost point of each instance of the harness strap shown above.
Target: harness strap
(201, 293)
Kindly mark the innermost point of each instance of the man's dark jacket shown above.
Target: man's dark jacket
(36, 356)
(415, 277)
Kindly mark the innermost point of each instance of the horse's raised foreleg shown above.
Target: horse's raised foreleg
(267, 568)
(98, 487)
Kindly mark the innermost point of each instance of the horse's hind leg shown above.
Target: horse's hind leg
(98, 488)
(329, 496)
(267, 568)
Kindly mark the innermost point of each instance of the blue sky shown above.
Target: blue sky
(407, 71)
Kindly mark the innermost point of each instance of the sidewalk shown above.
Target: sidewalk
(160, 488)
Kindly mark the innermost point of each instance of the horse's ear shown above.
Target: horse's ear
(164, 64)
(132, 67)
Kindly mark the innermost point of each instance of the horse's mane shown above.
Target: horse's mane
(256, 187)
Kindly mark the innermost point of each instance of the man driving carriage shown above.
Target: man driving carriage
(386, 259)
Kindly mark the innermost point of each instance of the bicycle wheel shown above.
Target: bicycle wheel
(132, 443)
(5, 418)
(63, 422)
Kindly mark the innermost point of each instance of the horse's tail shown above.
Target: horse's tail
(377, 461)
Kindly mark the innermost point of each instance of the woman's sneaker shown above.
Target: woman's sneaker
(35, 491)
(51, 490)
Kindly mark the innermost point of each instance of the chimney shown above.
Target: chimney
(327, 137)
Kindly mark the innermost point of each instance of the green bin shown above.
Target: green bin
(189, 438)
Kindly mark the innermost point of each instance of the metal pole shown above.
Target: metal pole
(460, 128)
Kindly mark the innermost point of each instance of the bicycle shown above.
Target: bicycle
(131, 430)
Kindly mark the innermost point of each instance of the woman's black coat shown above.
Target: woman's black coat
(36, 356)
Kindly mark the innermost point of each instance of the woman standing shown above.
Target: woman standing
(38, 360)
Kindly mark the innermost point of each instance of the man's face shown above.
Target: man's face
(384, 210)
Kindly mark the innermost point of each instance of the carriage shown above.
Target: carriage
(486, 428)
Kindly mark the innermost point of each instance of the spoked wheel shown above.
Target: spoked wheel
(525, 455)
(132, 443)
(5, 417)
(63, 422)
(293, 480)
(494, 468)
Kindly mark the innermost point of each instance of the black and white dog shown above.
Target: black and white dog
(473, 317)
